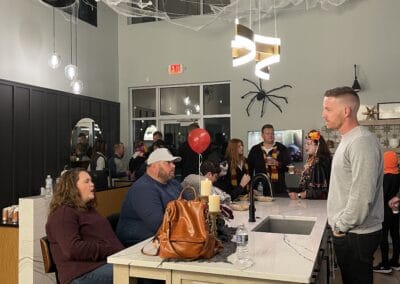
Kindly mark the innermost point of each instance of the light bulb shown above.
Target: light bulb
(77, 86)
(54, 60)
(71, 71)
(186, 101)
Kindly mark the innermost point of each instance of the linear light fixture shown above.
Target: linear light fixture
(243, 45)
(267, 53)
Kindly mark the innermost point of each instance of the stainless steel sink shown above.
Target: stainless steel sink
(286, 225)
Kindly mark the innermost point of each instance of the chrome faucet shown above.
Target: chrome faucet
(257, 178)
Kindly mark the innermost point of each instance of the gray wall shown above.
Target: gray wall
(319, 49)
(26, 41)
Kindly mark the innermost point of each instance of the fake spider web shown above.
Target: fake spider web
(212, 10)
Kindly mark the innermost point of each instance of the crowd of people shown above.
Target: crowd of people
(360, 183)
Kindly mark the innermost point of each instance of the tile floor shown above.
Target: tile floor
(379, 278)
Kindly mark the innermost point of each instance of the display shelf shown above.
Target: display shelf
(380, 122)
(384, 129)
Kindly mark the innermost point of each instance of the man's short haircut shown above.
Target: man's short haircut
(267, 126)
(193, 126)
(342, 91)
(157, 133)
(345, 92)
(117, 145)
(159, 143)
(82, 135)
(210, 166)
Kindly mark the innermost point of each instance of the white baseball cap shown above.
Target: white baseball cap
(162, 154)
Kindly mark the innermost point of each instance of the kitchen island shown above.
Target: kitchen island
(277, 257)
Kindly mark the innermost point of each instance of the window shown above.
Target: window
(144, 103)
(216, 99)
(139, 129)
(180, 100)
(172, 108)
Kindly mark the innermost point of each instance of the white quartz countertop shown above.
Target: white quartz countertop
(285, 257)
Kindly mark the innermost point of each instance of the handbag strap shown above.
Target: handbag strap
(156, 245)
(189, 187)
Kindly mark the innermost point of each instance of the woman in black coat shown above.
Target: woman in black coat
(314, 181)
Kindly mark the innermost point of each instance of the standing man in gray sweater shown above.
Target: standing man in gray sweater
(355, 199)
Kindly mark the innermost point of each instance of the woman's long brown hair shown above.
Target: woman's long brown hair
(232, 155)
(67, 193)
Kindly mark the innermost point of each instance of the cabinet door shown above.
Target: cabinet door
(21, 145)
(36, 129)
(6, 116)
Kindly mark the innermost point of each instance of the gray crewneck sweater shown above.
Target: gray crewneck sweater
(355, 199)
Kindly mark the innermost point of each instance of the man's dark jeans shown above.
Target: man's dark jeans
(354, 254)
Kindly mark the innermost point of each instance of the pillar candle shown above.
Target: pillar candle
(205, 187)
(213, 203)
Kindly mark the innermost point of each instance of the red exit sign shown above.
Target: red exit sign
(174, 69)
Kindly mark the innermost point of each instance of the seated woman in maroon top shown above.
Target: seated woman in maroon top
(80, 238)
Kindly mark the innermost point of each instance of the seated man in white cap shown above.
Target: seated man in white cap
(144, 205)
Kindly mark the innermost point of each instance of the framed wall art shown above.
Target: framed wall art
(388, 110)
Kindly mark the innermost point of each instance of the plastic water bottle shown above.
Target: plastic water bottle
(242, 247)
(260, 188)
(49, 186)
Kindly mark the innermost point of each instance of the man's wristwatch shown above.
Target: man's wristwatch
(299, 195)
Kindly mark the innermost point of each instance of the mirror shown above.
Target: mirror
(83, 137)
(88, 151)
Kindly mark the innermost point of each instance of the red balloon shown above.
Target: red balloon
(199, 140)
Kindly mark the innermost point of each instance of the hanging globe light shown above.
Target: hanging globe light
(77, 86)
(54, 60)
(71, 71)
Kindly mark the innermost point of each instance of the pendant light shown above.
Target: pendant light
(54, 58)
(71, 71)
(268, 49)
(76, 84)
(356, 86)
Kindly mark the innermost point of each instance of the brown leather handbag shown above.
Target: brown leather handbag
(185, 231)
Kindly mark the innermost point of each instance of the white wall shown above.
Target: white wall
(26, 40)
(319, 49)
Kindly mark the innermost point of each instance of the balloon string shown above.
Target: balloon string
(200, 158)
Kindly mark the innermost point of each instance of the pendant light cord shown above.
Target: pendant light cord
(76, 33)
(250, 16)
(259, 16)
(70, 33)
(54, 32)
(276, 34)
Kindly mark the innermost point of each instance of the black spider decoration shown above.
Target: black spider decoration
(263, 95)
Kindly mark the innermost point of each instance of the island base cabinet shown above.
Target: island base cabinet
(181, 277)
(122, 274)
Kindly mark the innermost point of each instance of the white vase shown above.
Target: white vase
(393, 142)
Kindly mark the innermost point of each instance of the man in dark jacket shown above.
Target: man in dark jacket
(271, 158)
(190, 159)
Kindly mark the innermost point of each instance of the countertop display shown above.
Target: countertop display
(276, 256)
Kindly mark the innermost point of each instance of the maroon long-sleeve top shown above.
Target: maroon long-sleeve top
(80, 241)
